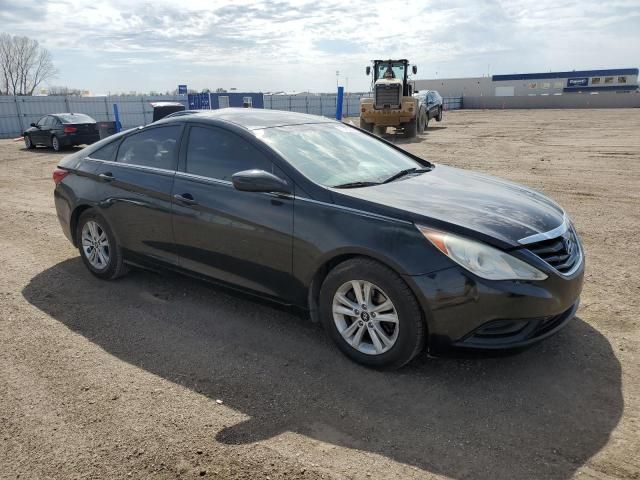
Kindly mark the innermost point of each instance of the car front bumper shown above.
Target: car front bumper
(465, 311)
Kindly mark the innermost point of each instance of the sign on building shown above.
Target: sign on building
(578, 82)
(182, 89)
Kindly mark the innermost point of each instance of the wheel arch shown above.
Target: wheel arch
(73, 221)
(329, 263)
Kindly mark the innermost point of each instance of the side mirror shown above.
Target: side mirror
(33, 125)
(414, 69)
(259, 181)
(368, 70)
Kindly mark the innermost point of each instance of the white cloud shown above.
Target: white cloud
(299, 44)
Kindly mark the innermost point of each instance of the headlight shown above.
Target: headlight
(481, 259)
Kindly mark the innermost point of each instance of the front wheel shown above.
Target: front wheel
(98, 247)
(28, 143)
(439, 117)
(371, 314)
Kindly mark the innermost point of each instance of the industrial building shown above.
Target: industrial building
(532, 84)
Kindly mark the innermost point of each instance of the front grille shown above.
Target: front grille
(562, 253)
(388, 96)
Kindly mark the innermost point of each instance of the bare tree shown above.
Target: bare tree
(24, 65)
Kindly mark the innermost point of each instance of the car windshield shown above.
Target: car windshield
(75, 118)
(334, 154)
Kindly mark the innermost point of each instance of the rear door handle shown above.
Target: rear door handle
(107, 177)
(185, 198)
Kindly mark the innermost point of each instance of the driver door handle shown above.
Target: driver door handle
(185, 198)
(107, 177)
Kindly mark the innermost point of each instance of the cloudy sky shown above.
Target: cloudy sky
(267, 45)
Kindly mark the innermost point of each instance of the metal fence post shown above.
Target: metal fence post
(66, 103)
(19, 114)
(144, 114)
(106, 108)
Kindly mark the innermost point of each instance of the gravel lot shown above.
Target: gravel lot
(160, 376)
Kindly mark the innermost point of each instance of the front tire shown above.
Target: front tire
(371, 314)
(439, 117)
(28, 143)
(98, 247)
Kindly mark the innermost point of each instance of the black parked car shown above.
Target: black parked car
(432, 103)
(388, 250)
(60, 130)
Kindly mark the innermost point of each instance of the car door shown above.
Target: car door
(136, 191)
(37, 136)
(243, 238)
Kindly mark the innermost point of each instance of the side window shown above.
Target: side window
(42, 121)
(216, 153)
(156, 147)
(107, 152)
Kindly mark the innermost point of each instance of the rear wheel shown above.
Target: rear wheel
(371, 314)
(380, 130)
(366, 125)
(55, 143)
(28, 143)
(98, 247)
(422, 121)
(411, 128)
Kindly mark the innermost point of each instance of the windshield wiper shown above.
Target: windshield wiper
(356, 184)
(403, 173)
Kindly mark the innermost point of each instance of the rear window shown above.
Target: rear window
(75, 118)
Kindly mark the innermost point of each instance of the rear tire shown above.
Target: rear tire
(28, 143)
(411, 128)
(379, 130)
(55, 144)
(366, 126)
(355, 328)
(98, 246)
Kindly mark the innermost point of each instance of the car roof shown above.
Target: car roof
(252, 118)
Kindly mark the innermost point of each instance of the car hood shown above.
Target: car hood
(495, 208)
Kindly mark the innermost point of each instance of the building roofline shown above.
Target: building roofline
(570, 74)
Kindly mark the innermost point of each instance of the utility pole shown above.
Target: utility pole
(337, 78)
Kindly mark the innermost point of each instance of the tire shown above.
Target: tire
(411, 128)
(379, 130)
(422, 122)
(439, 117)
(28, 143)
(108, 268)
(404, 336)
(55, 143)
(366, 125)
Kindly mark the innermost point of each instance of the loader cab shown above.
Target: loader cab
(393, 70)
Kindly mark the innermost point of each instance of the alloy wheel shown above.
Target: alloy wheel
(95, 245)
(55, 143)
(27, 141)
(366, 317)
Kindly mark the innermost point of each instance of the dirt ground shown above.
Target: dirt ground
(159, 376)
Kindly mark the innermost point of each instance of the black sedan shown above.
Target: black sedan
(60, 130)
(389, 251)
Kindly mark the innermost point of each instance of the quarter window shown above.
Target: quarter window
(105, 153)
(216, 153)
(156, 147)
